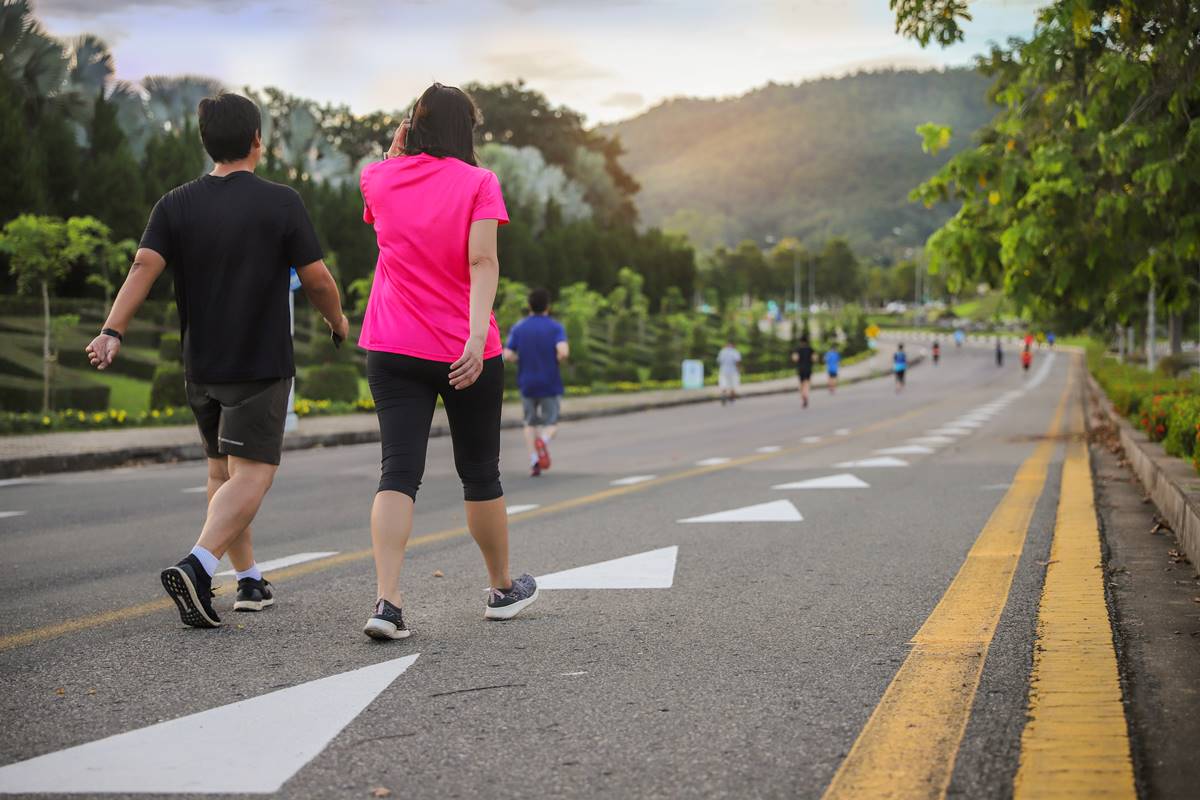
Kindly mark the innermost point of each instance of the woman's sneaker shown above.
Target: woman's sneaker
(506, 605)
(191, 588)
(387, 622)
(253, 595)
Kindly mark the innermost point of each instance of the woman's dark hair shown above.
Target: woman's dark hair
(443, 124)
(228, 123)
(539, 301)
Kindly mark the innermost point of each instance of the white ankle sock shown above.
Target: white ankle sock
(254, 572)
(533, 459)
(207, 559)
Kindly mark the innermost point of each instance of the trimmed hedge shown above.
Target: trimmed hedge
(170, 348)
(168, 388)
(20, 394)
(336, 382)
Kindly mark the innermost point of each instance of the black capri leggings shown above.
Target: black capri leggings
(406, 391)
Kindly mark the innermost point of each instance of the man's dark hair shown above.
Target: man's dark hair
(803, 338)
(443, 124)
(539, 301)
(228, 123)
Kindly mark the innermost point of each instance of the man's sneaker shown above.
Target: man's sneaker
(506, 605)
(387, 622)
(191, 588)
(543, 452)
(253, 595)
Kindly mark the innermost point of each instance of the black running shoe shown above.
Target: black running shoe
(387, 622)
(191, 588)
(253, 595)
(506, 605)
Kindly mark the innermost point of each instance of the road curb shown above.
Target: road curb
(1172, 483)
(24, 466)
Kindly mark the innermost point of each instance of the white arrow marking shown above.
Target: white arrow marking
(181, 755)
(632, 479)
(712, 462)
(843, 481)
(775, 511)
(949, 431)
(931, 440)
(882, 461)
(654, 569)
(968, 423)
(286, 561)
(521, 509)
(771, 448)
(7, 514)
(904, 450)
(842, 432)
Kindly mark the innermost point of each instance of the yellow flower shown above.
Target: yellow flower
(170, 411)
(81, 416)
(154, 413)
(45, 420)
(993, 197)
(98, 417)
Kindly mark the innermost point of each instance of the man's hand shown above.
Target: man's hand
(103, 350)
(469, 367)
(399, 139)
(341, 327)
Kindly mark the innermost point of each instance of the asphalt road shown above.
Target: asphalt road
(750, 676)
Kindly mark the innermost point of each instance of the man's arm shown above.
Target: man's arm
(562, 350)
(147, 266)
(510, 354)
(321, 290)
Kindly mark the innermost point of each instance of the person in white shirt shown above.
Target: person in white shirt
(729, 372)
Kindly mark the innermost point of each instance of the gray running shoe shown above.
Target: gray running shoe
(386, 623)
(506, 605)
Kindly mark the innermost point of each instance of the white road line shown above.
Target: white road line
(950, 431)
(968, 423)
(286, 561)
(843, 481)
(881, 461)
(842, 432)
(995, 486)
(931, 439)
(712, 462)
(811, 439)
(521, 509)
(633, 479)
(775, 511)
(195, 490)
(771, 448)
(7, 514)
(654, 569)
(20, 481)
(905, 450)
(162, 758)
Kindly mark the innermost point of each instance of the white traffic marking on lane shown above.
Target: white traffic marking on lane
(771, 448)
(931, 440)
(195, 490)
(175, 757)
(21, 481)
(286, 561)
(843, 481)
(968, 423)
(995, 486)
(654, 569)
(905, 450)
(950, 431)
(7, 514)
(842, 432)
(882, 461)
(775, 511)
(811, 439)
(712, 462)
(633, 479)
(522, 508)
(1041, 374)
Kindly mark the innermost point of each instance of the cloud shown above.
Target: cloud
(97, 8)
(624, 100)
(550, 65)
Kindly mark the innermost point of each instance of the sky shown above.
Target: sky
(610, 59)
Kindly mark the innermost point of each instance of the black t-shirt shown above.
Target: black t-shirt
(804, 356)
(230, 241)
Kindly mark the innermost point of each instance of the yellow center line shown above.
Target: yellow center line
(35, 635)
(1076, 740)
(909, 744)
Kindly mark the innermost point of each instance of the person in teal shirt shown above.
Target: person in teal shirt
(833, 360)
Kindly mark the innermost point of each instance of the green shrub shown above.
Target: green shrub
(1155, 413)
(336, 382)
(1183, 426)
(168, 388)
(170, 348)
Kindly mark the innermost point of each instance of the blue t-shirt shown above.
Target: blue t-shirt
(900, 361)
(832, 359)
(535, 340)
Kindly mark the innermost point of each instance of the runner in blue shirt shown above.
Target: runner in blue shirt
(833, 360)
(899, 366)
(538, 343)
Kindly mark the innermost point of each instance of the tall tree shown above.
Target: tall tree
(110, 179)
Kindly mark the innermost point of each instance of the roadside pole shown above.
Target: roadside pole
(292, 422)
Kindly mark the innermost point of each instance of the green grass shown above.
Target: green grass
(128, 394)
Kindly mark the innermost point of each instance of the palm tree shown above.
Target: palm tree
(34, 62)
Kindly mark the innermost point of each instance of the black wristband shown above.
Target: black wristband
(113, 333)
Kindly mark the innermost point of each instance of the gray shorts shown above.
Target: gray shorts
(241, 419)
(541, 411)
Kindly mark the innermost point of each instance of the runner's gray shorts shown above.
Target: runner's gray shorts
(541, 411)
(242, 419)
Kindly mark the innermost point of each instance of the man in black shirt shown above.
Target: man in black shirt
(231, 238)
(803, 357)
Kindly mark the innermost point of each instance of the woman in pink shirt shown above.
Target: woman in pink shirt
(429, 332)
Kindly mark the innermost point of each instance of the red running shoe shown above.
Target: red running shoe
(543, 453)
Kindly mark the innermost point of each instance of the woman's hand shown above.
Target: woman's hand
(469, 367)
(399, 139)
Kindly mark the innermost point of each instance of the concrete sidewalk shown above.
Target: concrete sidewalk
(72, 451)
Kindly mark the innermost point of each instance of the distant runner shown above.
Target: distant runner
(999, 353)
(803, 357)
(900, 366)
(958, 337)
(1026, 358)
(937, 352)
(729, 372)
(833, 360)
(538, 344)
(1050, 339)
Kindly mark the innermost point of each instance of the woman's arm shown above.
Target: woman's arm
(485, 277)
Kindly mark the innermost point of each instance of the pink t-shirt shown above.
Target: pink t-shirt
(422, 208)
